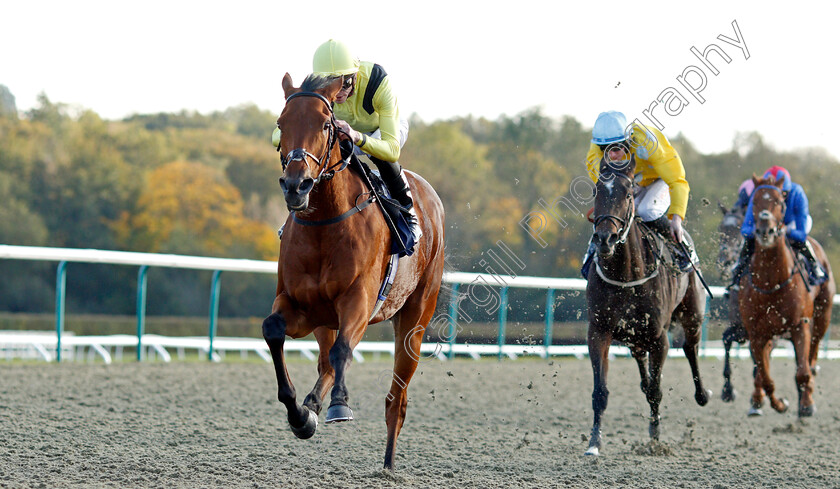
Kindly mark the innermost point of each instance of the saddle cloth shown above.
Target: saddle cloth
(402, 243)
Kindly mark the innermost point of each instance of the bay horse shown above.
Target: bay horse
(333, 260)
(634, 297)
(775, 298)
(730, 244)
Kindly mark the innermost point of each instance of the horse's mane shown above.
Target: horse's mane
(313, 82)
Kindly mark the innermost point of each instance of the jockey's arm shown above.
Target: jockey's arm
(668, 165)
(799, 207)
(385, 105)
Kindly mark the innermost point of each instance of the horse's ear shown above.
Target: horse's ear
(723, 208)
(781, 180)
(288, 87)
(755, 180)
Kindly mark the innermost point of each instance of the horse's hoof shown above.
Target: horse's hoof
(338, 413)
(702, 396)
(754, 411)
(807, 411)
(593, 451)
(308, 429)
(728, 395)
(785, 406)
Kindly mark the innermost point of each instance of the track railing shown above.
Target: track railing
(41, 345)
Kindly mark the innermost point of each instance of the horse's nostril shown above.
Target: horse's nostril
(306, 185)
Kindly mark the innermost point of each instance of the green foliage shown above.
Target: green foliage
(207, 185)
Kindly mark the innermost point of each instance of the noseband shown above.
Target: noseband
(623, 224)
(300, 154)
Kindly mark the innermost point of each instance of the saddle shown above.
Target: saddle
(667, 251)
(402, 242)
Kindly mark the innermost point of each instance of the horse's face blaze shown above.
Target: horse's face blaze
(614, 198)
(768, 213)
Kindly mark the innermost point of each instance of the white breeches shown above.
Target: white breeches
(653, 201)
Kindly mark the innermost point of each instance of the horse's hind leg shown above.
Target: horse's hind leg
(302, 421)
(409, 326)
(599, 347)
(326, 375)
(822, 319)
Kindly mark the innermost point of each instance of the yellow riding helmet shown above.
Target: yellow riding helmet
(333, 58)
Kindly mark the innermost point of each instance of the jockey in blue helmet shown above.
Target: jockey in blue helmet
(661, 195)
(798, 224)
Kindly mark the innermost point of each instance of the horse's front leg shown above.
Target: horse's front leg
(326, 375)
(734, 333)
(760, 350)
(352, 319)
(302, 421)
(654, 392)
(599, 348)
(801, 338)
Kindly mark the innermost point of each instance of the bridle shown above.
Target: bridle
(778, 230)
(300, 154)
(625, 223)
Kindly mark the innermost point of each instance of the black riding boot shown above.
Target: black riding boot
(743, 259)
(395, 179)
(662, 225)
(816, 275)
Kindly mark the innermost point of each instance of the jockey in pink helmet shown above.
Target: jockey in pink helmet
(798, 224)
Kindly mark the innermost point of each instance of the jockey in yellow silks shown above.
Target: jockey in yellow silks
(661, 193)
(366, 110)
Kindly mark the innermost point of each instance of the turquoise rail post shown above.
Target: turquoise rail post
(704, 328)
(549, 319)
(60, 289)
(141, 309)
(453, 320)
(502, 318)
(214, 311)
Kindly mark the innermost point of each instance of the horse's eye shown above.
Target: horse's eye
(326, 126)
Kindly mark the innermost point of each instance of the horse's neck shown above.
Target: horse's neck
(772, 265)
(628, 262)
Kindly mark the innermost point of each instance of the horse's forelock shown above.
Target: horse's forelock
(315, 83)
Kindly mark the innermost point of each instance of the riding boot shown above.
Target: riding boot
(662, 225)
(743, 259)
(816, 275)
(394, 177)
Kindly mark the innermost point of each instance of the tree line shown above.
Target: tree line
(207, 184)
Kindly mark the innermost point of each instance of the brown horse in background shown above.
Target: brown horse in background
(634, 297)
(775, 298)
(332, 262)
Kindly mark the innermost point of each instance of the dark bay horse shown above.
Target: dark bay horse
(775, 299)
(332, 263)
(730, 243)
(634, 297)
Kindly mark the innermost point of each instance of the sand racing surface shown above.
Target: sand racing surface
(515, 423)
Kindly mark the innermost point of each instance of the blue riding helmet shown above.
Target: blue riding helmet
(609, 128)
